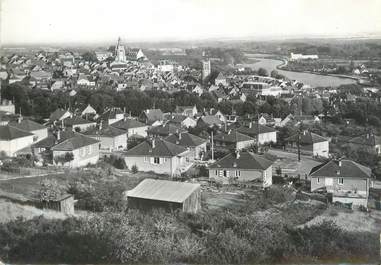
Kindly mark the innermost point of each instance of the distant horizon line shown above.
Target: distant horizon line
(364, 36)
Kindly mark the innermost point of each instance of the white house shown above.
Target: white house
(13, 140)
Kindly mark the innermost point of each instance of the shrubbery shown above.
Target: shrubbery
(159, 237)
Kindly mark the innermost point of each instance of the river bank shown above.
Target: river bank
(268, 62)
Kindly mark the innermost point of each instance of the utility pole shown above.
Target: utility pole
(298, 141)
(258, 132)
(212, 147)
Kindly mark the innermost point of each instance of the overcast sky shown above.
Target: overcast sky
(37, 21)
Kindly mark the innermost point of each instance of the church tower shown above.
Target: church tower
(120, 53)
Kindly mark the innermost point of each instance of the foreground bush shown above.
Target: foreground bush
(159, 237)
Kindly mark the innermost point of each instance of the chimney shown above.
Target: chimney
(153, 143)
(100, 125)
(339, 163)
(237, 154)
(304, 132)
(179, 135)
(230, 131)
(19, 119)
(250, 125)
(58, 135)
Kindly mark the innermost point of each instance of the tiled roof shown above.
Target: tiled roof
(246, 160)
(75, 142)
(27, 125)
(369, 139)
(233, 137)
(307, 138)
(128, 124)
(107, 131)
(254, 129)
(154, 114)
(161, 148)
(8, 133)
(343, 168)
(57, 114)
(77, 120)
(165, 130)
(186, 139)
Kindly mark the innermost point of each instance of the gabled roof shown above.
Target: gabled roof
(76, 120)
(107, 131)
(344, 168)
(161, 148)
(154, 114)
(369, 139)
(220, 76)
(111, 113)
(163, 190)
(57, 114)
(27, 125)
(185, 139)
(246, 160)
(165, 130)
(128, 124)
(211, 120)
(75, 142)
(8, 133)
(233, 137)
(307, 138)
(254, 129)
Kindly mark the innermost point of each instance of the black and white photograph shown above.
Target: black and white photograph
(190, 132)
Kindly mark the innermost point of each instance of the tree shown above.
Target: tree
(90, 56)
(262, 72)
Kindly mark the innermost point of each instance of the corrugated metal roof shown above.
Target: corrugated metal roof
(163, 190)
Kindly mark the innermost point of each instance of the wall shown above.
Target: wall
(242, 175)
(142, 131)
(193, 203)
(267, 137)
(40, 134)
(321, 149)
(350, 184)
(12, 146)
(82, 156)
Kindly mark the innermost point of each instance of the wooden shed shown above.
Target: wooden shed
(170, 195)
(64, 204)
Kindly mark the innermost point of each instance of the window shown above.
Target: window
(237, 173)
(341, 181)
(145, 159)
(216, 172)
(156, 160)
(164, 159)
(318, 180)
(226, 173)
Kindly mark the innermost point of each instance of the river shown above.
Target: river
(314, 80)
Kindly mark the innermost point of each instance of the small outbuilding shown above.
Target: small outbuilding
(170, 195)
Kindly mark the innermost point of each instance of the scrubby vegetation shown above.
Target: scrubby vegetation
(208, 237)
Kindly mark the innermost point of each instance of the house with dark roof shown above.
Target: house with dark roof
(242, 167)
(367, 141)
(165, 194)
(189, 111)
(181, 120)
(59, 114)
(112, 115)
(164, 130)
(234, 140)
(159, 156)
(310, 144)
(78, 124)
(209, 121)
(13, 140)
(111, 138)
(76, 150)
(133, 127)
(39, 131)
(195, 144)
(346, 180)
(220, 80)
(263, 134)
(152, 117)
